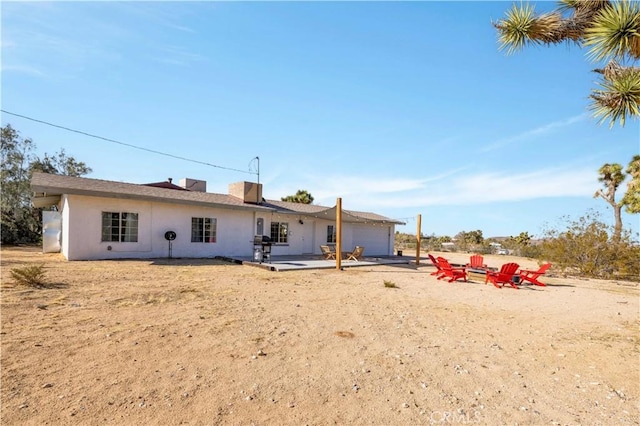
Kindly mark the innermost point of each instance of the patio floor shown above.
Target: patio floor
(291, 263)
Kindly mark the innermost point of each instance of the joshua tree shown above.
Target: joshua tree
(523, 239)
(611, 29)
(631, 199)
(611, 176)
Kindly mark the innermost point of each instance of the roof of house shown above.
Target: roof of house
(48, 187)
(167, 185)
(50, 184)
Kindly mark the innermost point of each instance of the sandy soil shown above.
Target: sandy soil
(201, 342)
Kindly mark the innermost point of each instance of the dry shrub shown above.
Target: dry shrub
(29, 276)
(390, 284)
(587, 248)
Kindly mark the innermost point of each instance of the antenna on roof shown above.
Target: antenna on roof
(258, 169)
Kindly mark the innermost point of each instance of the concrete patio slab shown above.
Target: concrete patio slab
(292, 263)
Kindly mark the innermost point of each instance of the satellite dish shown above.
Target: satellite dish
(170, 235)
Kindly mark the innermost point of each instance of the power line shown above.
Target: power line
(124, 143)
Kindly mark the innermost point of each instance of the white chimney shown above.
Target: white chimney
(193, 184)
(248, 192)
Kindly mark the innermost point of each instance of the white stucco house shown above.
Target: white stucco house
(99, 219)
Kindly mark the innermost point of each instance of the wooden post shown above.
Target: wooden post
(339, 233)
(418, 234)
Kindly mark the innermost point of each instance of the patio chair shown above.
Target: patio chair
(356, 254)
(476, 262)
(438, 270)
(532, 276)
(327, 252)
(503, 276)
(448, 271)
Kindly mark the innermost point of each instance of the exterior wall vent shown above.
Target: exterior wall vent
(248, 192)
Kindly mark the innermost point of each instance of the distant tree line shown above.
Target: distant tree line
(302, 196)
(585, 247)
(21, 223)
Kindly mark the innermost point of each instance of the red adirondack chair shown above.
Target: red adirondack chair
(438, 270)
(476, 261)
(532, 276)
(450, 272)
(503, 276)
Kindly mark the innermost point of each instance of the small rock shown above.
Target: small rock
(262, 353)
(25, 405)
(405, 405)
(41, 306)
(47, 385)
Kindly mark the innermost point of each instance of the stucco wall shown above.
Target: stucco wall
(82, 230)
(64, 209)
(377, 239)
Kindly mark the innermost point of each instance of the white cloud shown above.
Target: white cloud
(541, 130)
(23, 69)
(449, 188)
(167, 14)
(176, 55)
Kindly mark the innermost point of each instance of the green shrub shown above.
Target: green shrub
(390, 284)
(30, 276)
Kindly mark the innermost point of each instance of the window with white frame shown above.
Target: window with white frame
(203, 229)
(120, 227)
(279, 232)
(331, 234)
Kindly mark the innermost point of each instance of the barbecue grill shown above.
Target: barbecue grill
(262, 248)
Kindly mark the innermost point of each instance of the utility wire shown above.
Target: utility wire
(125, 144)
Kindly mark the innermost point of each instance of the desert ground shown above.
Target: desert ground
(202, 342)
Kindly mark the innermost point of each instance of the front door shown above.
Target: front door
(308, 236)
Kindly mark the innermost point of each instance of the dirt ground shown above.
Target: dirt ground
(201, 342)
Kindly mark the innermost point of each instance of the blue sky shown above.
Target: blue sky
(400, 108)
